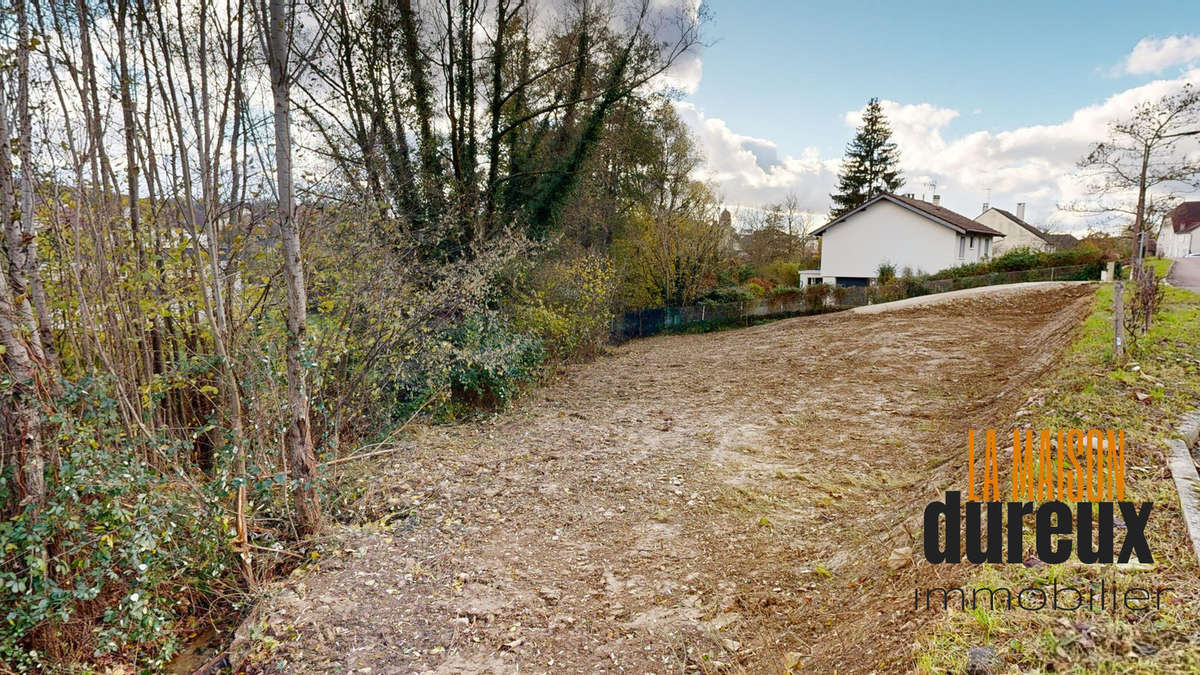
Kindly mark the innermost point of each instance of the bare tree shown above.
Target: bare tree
(302, 459)
(1139, 171)
(19, 334)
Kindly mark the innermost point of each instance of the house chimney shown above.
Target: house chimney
(1020, 210)
(937, 200)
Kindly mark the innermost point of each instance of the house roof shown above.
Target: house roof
(1185, 217)
(1032, 230)
(1062, 241)
(938, 214)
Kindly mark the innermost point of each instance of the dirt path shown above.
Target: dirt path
(691, 503)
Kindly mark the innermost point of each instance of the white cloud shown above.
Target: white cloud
(752, 171)
(1033, 164)
(1154, 55)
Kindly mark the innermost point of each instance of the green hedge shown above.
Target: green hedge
(1020, 259)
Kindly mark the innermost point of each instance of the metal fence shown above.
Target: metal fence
(648, 322)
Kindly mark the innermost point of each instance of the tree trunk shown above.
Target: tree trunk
(25, 279)
(18, 334)
(302, 461)
(1138, 217)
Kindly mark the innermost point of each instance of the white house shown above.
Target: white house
(1178, 236)
(903, 231)
(1017, 233)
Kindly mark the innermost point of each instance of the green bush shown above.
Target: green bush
(1021, 259)
(722, 295)
(885, 273)
(1018, 259)
(757, 287)
(783, 273)
(568, 305)
(117, 545)
(492, 361)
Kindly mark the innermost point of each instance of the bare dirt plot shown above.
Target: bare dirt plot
(702, 502)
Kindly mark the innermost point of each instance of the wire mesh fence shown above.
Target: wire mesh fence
(648, 322)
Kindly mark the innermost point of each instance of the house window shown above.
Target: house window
(985, 247)
(962, 246)
(972, 241)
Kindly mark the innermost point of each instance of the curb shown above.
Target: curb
(1187, 481)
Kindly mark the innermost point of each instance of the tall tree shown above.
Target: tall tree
(302, 460)
(1139, 170)
(23, 357)
(674, 243)
(871, 165)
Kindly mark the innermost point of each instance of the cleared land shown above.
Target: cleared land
(700, 501)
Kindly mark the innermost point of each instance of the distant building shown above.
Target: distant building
(1063, 242)
(1018, 233)
(902, 231)
(1178, 236)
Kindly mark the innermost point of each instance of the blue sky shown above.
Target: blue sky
(785, 75)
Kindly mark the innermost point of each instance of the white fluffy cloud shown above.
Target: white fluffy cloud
(751, 171)
(1033, 164)
(1154, 55)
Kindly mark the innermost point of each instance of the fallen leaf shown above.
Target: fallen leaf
(900, 557)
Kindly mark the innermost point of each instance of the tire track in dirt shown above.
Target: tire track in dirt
(695, 502)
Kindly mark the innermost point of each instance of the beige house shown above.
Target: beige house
(1017, 232)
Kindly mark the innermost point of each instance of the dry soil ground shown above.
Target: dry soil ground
(687, 503)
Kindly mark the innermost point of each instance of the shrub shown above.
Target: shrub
(1021, 259)
(759, 286)
(914, 285)
(756, 287)
(568, 305)
(784, 295)
(788, 292)
(119, 550)
(1145, 303)
(782, 273)
(1017, 259)
(726, 295)
(816, 296)
(839, 295)
(491, 361)
(885, 273)
(887, 292)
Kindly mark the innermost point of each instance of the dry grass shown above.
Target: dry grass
(1089, 390)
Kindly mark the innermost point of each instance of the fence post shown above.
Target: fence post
(1051, 274)
(1118, 321)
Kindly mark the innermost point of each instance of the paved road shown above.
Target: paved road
(1186, 274)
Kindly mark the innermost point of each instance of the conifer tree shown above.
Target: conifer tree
(871, 165)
